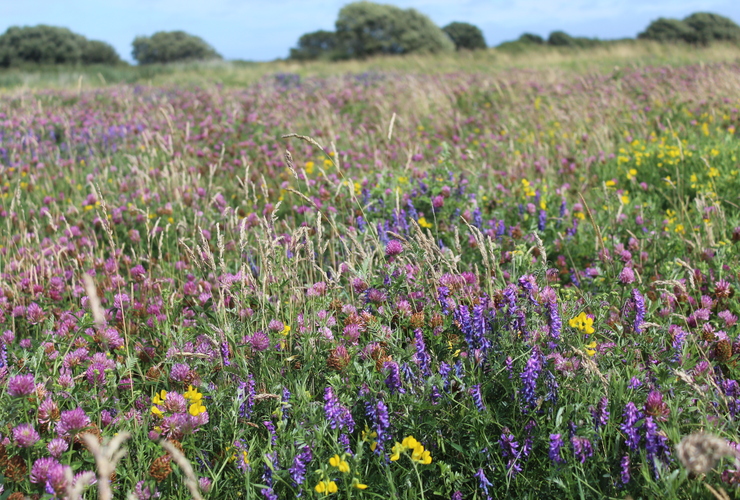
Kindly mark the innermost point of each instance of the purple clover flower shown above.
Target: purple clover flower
(21, 385)
(25, 435)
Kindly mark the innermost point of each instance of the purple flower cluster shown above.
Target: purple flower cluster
(529, 379)
(338, 415)
(629, 426)
(300, 462)
(582, 448)
(393, 379)
(556, 444)
(421, 357)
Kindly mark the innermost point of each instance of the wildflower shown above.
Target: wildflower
(40, 470)
(582, 322)
(378, 414)
(339, 463)
(483, 482)
(394, 247)
(591, 348)
(556, 444)
(655, 407)
(639, 302)
(423, 223)
(627, 276)
(600, 414)
(357, 484)
(625, 469)
(418, 453)
(477, 398)
(260, 341)
(553, 316)
(196, 408)
(326, 487)
(421, 356)
(25, 435)
(71, 422)
(57, 447)
(338, 415)
(21, 385)
(582, 448)
(529, 378)
(631, 417)
(192, 394)
(301, 460)
(393, 380)
(656, 445)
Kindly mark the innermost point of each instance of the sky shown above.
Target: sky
(264, 30)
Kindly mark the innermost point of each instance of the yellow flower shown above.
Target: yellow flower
(309, 167)
(192, 394)
(409, 442)
(591, 348)
(423, 222)
(359, 486)
(327, 487)
(159, 398)
(196, 408)
(397, 449)
(339, 463)
(156, 411)
(286, 330)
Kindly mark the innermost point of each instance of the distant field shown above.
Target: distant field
(489, 275)
(627, 54)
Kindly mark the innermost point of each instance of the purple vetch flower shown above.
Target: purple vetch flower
(656, 445)
(640, 311)
(600, 414)
(634, 383)
(528, 440)
(25, 435)
(625, 469)
(298, 470)
(285, 402)
(21, 385)
(271, 431)
(509, 448)
(421, 356)
(477, 398)
(225, 353)
(338, 415)
(245, 394)
(393, 380)
(631, 416)
(380, 422)
(582, 448)
(529, 379)
(549, 295)
(483, 482)
(542, 221)
(457, 495)
(556, 444)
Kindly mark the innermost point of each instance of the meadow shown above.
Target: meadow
(381, 284)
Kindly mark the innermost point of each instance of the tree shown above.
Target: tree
(171, 46)
(708, 27)
(41, 45)
(530, 38)
(667, 30)
(315, 45)
(561, 39)
(465, 36)
(365, 28)
(97, 52)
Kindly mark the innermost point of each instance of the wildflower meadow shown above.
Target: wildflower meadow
(519, 284)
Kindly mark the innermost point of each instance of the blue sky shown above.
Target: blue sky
(263, 30)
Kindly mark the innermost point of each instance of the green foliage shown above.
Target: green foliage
(700, 28)
(320, 44)
(667, 30)
(366, 29)
(563, 39)
(171, 46)
(465, 36)
(709, 27)
(40, 44)
(531, 38)
(97, 52)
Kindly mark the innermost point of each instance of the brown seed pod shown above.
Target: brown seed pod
(161, 468)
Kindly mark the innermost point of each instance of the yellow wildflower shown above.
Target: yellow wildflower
(423, 222)
(339, 463)
(159, 398)
(327, 487)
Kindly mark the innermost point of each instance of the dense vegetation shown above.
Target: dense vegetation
(171, 46)
(461, 286)
(52, 45)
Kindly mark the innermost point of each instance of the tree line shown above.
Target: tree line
(362, 29)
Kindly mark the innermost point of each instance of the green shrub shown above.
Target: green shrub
(707, 27)
(668, 30)
(320, 44)
(97, 52)
(531, 38)
(171, 46)
(366, 28)
(561, 39)
(40, 44)
(465, 36)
